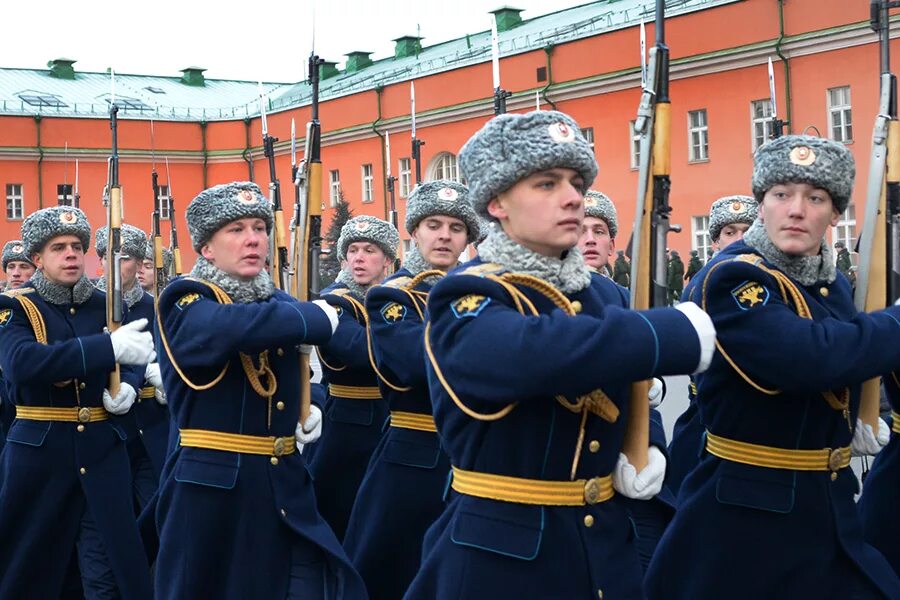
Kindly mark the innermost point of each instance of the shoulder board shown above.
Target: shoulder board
(483, 269)
(18, 291)
(397, 282)
(338, 292)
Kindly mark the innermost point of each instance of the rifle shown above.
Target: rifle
(158, 263)
(113, 202)
(65, 195)
(390, 186)
(176, 251)
(500, 95)
(649, 286)
(777, 124)
(76, 197)
(278, 250)
(416, 143)
(878, 278)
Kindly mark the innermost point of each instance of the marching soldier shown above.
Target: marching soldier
(355, 412)
(147, 272)
(237, 514)
(694, 266)
(729, 219)
(403, 489)
(676, 277)
(19, 269)
(528, 403)
(842, 263)
(769, 510)
(622, 270)
(64, 476)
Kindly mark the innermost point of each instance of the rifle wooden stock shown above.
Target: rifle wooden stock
(176, 260)
(313, 212)
(113, 244)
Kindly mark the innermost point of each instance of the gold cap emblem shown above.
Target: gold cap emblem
(362, 225)
(590, 202)
(737, 206)
(560, 132)
(803, 156)
(246, 197)
(67, 218)
(448, 194)
(18, 248)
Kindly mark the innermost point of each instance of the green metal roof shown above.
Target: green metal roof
(167, 98)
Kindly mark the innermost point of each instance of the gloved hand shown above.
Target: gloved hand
(121, 404)
(655, 395)
(311, 430)
(867, 442)
(153, 376)
(131, 346)
(329, 312)
(306, 348)
(644, 485)
(161, 396)
(706, 332)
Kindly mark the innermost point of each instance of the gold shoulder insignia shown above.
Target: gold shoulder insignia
(339, 292)
(750, 294)
(187, 300)
(5, 317)
(483, 269)
(18, 291)
(469, 306)
(393, 312)
(397, 282)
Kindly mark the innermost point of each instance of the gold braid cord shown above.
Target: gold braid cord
(35, 318)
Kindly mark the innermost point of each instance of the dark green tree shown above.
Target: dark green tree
(329, 265)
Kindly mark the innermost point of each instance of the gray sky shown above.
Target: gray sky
(265, 39)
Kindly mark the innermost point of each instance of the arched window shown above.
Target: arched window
(444, 166)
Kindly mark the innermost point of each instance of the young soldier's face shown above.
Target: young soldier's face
(62, 260)
(128, 268)
(796, 216)
(730, 234)
(543, 211)
(441, 239)
(595, 242)
(18, 272)
(239, 248)
(367, 263)
(147, 274)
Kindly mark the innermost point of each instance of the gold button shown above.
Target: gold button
(588, 521)
(82, 385)
(599, 594)
(833, 476)
(274, 460)
(72, 311)
(283, 514)
(82, 470)
(824, 291)
(140, 432)
(280, 352)
(80, 428)
(279, 405)
(594, 446)
(576, 306)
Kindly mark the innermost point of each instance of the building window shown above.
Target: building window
(635, 146)
(445, 167)
(14, 203)
(368, 183)
(763, 129)
(42, 100)
(698, 135)
(334, 187)
(845, 231)
(65, 195)
(126, 103)
(588, 133)
(164, 203)
(700, 240)
(405, 177)
(840, 122)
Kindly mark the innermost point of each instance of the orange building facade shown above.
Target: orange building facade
(826, 71)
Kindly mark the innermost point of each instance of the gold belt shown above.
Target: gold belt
(236, 442)
(533, 491)
(826, 459)
(408, 420)
(355, 392)
(147, 392)
(70, 414)
(895, 421)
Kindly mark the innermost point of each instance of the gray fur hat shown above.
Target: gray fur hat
(168, 257)
(219, 205)
(15, 250)
(365, 228)
(442, 197)
(598, 204)
(511, 147)
(43, 225)
(731, 209)
(805, 159)
(134, 242)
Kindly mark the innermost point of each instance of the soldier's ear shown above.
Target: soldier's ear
(496, 209)
(206, 252)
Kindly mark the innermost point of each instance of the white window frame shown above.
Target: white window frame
(404, 168)
(368, 183)
(164, 203)
(634, 146)
(15, 201)
(65, 194)
(588, 133)
(840, 114)
(445, 166)
(700, 240)
(845, 231)
(334, 187)
(762, 128)
(698, 136)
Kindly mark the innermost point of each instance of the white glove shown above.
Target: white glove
(655, 395)
(643, 485)
(706, 332)
(153, 376)
(306, 349)
(131, 346)
(866, 442)
(121, 404)
(329, 312)
(161, 396)
(311, 430)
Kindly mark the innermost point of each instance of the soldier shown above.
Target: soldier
(64, 476)
(729, 219)
(237, 514)
(403, 489)
(355, 411)
(842, 263)
(517, 345)
(769, 511)
(147, 273)
(694, 266)
(598, 237)
(147, 423)
(622, 270)
(676, 277)
(17, 266)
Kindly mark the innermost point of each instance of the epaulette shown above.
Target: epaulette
(397, 282)
(338, 292)
(18, 291)
(483, 269)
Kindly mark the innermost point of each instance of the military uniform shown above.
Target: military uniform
(694, 266)
(676, 278)
(12, 250)
(621, 270)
